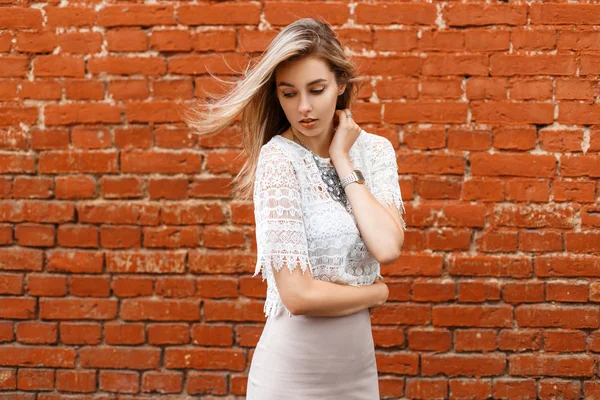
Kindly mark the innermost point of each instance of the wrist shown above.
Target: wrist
(342, 165)
(339, 157)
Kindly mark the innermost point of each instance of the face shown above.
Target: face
(307, 91)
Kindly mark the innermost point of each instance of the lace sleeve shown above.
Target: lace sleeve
(280, 233)
(385, 187)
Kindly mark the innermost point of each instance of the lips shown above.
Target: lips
(308, 120)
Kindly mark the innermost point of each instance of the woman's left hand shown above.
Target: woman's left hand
(345, 135)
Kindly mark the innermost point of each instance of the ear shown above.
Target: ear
(341, 89)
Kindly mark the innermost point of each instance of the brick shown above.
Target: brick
(449, 64)
(483, 189)
(480, 340)
(225, 40)
(540, 241)
(32, 188)
(118, 213)
(119, 381)
(84, 113)
(528, 190)
(81, 42)
(511, 65)
(91, 138)
(126, 40)
(68, 16)
(121, 188)
(84, 90)
(534, 216)
(14, 66)
(59, 66)
(77, 236)
(21, 18)
(116, 65)
(563, 14)
(430, 188)
(497, 266)
(133, 137)
(75, 187)
(177, 138)
(526, 292)
(152, 262)
(137, 15)
(404, 14)
(178, 287)
(225, 64)
(386, 40)
(512, 113)
(140, 358)
(471, 316)
(533, 39)
(120, 237)
(171, 40)
(161, 162)
(124, 333)
(16, 116)
(163, 310)
(586, 165)
(426, 388)
(129, 90)
(421, 339)
(205, 359)
(56, 162)
(164, 334)
(441, 88)
(551, 365)
(514, 138)
(36, 42)
(570, 317)
(46, 285)
(222, 14)
(33, 235)
(74, 261)
(485, 14)
(513, 164)
(561, 141)
(538, 89)
(155, 112)
(478, 291)
(463, 365)
(78, 308)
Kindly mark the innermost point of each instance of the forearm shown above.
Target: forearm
(304, 295)
(326, 299)
(381, 234)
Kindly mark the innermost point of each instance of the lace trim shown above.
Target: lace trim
(278, 261)
(392, 199)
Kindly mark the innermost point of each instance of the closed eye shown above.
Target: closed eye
(314, 91)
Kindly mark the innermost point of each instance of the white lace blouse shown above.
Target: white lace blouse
(299, 223)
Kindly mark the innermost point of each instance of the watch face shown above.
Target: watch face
(359, 176)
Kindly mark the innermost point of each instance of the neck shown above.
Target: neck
(317, 144)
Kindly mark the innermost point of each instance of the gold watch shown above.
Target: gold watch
(354, 176)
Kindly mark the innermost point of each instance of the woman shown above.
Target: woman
(320, 238)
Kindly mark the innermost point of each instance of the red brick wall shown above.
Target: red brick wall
(125, 265)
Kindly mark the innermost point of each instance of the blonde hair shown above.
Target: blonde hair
(255, 96)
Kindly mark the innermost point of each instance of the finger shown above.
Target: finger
(341, 117)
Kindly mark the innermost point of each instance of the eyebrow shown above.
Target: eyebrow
(309, 83)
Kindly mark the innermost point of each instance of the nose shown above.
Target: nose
(304, 107)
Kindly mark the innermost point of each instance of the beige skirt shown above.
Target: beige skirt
(301, 358)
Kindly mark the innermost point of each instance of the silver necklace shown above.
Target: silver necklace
(328, 175)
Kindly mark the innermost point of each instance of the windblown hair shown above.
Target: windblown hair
(255, 96)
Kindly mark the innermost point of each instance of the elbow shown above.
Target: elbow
(296, 303)
(389, 254)
(388, 258)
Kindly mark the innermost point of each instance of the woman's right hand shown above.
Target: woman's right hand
(382, 291)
